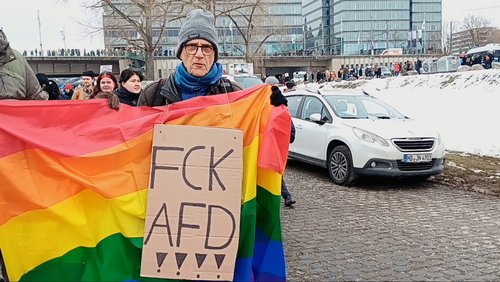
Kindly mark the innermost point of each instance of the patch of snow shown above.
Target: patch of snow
(464, 107)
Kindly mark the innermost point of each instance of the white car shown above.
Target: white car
(353, 134)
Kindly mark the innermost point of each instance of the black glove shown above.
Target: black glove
(277, 99)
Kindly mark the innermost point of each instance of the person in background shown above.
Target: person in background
(17, 78)
(418, 65)
(49, 86)
(68, 92)
(87, 87)
(487, 61)
(105, 86)
(287, 197)
(397, 68)
(130, 86)
(290, 86)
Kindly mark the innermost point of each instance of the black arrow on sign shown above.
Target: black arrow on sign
(219, 259)
(180, 257)
(200, 258)
(160, 258)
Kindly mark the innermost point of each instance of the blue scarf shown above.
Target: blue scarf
(192, 86)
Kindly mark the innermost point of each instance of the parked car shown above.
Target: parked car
(353, 134)
(244, 80)
(247, 81)
(384, 71)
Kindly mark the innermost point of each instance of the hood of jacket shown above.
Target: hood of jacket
(6, 53)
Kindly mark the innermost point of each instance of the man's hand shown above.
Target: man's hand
(113, 100)
(277, 99)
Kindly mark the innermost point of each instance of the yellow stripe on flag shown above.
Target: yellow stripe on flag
(82, 220)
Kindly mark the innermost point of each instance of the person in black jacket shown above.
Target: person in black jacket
(49, 86)
(290, 86)
(130, 86)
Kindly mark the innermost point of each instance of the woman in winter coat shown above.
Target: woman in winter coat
(130, 86)
(106, 85)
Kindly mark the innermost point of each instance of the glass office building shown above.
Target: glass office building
(363, 27)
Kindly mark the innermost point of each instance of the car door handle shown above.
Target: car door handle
(298, 126)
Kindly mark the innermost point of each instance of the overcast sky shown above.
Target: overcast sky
(20, 23)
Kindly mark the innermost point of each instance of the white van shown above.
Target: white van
(298, 76)
(392, 52)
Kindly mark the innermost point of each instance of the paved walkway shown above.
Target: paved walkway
(388, 231)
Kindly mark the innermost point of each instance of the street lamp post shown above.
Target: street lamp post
(371, 36)
(423, 35)
(232, 39)
(63, 35)
(40, 31)
(341, 37)
(224, 36)
(386, 34)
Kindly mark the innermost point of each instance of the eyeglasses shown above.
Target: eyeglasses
(191, 49)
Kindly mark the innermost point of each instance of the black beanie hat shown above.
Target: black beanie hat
(42, 78)
(88, 73)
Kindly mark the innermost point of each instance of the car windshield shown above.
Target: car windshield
(361, 107)
(247, 81)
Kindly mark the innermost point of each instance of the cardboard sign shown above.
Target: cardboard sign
(194, 203)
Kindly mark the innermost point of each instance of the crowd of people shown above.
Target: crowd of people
(484, 60)
(350, 72)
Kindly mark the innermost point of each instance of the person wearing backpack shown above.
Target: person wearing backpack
(199, 73)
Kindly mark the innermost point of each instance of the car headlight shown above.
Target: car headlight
(439, 138)
(369, 137)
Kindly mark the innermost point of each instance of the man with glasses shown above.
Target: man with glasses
(199, 74)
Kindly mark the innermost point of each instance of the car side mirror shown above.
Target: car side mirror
(317, 118)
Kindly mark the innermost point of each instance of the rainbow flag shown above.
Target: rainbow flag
(74, 178)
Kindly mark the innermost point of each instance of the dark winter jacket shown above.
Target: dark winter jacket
(127, 97)
(53, 90)
(165, 91)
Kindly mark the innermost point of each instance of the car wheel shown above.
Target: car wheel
(340, 166)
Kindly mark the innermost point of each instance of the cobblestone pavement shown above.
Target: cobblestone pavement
(390, 230)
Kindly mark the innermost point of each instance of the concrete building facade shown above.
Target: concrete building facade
(464, 40)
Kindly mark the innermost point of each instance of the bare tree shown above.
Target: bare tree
(449, 28)
(475, 26)
(141, 23)
(254, 26)
(248, 18)
(138, 23)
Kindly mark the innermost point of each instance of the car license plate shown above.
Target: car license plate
(417, 158)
